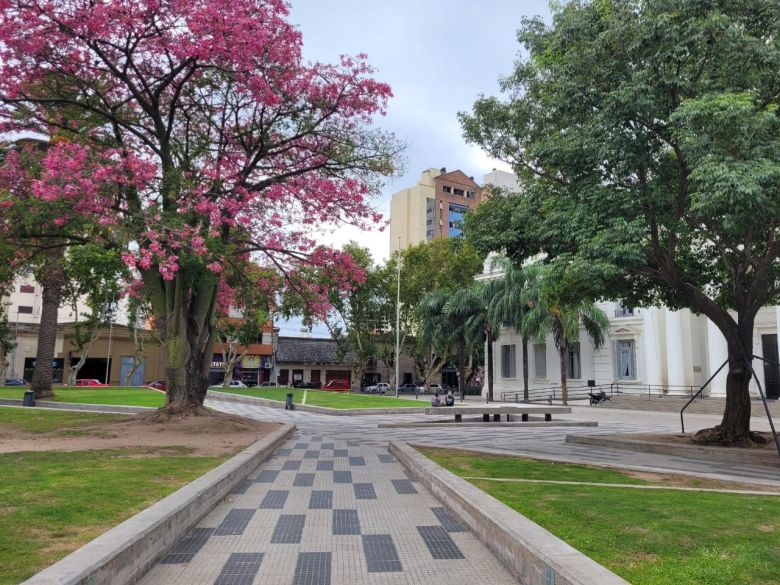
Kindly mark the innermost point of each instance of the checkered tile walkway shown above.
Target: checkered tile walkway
(327, 511)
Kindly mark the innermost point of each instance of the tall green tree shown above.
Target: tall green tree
(508, 307)
(94, 279)
(442, 264)
(548, 315)
(647, 136)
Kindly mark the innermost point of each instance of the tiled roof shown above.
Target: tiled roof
(300, 350)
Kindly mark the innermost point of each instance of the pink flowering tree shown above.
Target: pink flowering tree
(211, 145)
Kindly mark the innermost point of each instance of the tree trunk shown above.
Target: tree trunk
(184, 315)
(461, 369)
(735, 425)
(84, 351)
(525, 370)
(52, 281)
(564, 380)
(138, 352)
(490, 364)
(3, 363)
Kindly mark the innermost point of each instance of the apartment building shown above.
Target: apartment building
(433, 208)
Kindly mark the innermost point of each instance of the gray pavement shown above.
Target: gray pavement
(324, 510)
(333, 506)
(542, 442)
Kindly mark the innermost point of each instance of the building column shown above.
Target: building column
(717, 352)
(652, 374)
(675, 350)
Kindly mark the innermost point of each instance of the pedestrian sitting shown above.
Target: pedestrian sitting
(435, 400)
(449, 400)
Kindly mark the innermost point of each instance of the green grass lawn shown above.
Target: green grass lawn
(649, 537)
(111, 395)
(336, 400)
(53, 502)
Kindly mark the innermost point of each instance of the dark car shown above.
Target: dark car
(308, 385)
(158, 385)
(15, 382)
(408, 388)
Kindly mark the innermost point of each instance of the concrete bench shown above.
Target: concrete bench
(488, 409)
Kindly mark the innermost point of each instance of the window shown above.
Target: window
(430, 214)
(458, 192)
(25, 310)
(575, 369)
(508, 369)
(540, 360)
(447, 189)
(469, 194)
(625, 359)
(621, 311)
(457, 214)
(26, 288)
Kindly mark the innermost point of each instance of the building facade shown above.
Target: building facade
(654, 348)
(433, 208)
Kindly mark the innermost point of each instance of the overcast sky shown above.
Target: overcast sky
(438, 56)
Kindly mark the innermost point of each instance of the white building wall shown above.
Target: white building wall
(674, 349)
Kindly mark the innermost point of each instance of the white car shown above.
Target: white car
(380, 388)
(233, 384)
(269, 385)
(434, 388)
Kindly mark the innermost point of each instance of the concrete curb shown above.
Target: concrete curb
(533, 555)
(449, 424)
(126, 552)
(763, 458)
(110, 408)
(240, 398)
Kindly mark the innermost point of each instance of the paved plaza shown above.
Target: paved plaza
(333, 506)
(328, 510)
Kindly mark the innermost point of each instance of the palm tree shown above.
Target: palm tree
(508, 307)
(547, 315)
(482, 325)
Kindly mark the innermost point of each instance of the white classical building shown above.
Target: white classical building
(670, 351)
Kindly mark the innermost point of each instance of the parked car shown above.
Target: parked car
(409, 388)
(233, 384)
(268, 385)
(15, 382)
(337, 386)
(309, 385)
(158, 385)
(90, 382)
(380, 388)
(434, 388)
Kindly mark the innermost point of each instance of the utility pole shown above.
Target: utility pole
(398, 323)
(110, 334)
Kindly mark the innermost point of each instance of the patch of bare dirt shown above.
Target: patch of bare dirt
(210, 433)
(762, 441)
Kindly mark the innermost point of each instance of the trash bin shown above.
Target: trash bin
(288, 405)
(29, 398)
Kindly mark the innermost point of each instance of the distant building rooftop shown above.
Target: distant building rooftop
(302, 350)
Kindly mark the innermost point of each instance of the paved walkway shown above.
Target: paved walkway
(545, 442)
(323, 510)
(333, 506)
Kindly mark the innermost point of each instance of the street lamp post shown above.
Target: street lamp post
(110, 335)
(398, 323)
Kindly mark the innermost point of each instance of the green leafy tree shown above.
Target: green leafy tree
(647, 137)
(359, 316)
(93, 279)
(509, 305)
(547, 315)
(442, 264)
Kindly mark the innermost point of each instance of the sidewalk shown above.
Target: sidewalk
(327, 510)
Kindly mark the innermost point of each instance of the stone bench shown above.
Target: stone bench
(488, 409)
